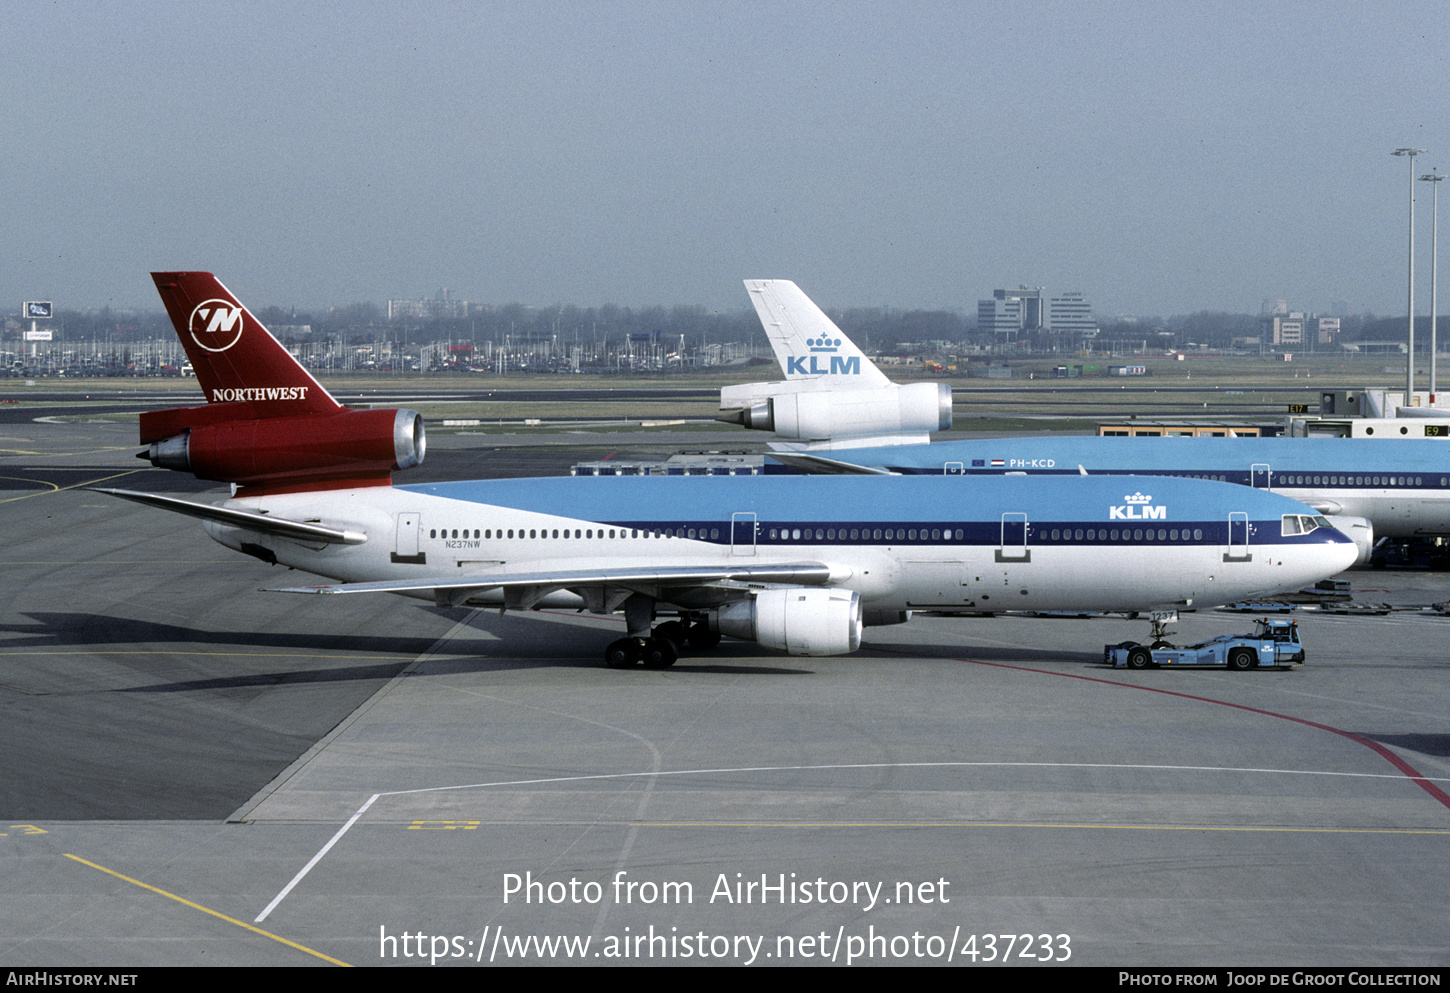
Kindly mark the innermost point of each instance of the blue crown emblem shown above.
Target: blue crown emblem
(823, 344)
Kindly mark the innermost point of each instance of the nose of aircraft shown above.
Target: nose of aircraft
(1337, 553)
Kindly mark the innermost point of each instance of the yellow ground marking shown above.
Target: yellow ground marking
(61, 489)
(24, 829)
(207, 910)
(444, 825)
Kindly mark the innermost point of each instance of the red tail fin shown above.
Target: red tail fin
(267, 423)
(236, 359)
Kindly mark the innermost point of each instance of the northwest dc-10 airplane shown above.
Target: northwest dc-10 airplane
(796, 564)
(1368, 488)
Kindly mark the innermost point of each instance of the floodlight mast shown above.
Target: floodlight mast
(1433, 177)
(1410, 358)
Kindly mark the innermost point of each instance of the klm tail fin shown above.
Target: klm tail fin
(237, 361)
(807, 343)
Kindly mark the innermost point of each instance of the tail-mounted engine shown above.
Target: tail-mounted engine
(361, 445)
(796, 414)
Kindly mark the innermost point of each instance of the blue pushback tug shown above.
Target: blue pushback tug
(1273, 644)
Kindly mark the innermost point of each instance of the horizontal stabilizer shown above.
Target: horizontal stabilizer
(816, 465)
(297, 530)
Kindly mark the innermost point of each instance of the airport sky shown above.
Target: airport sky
(1161, 157)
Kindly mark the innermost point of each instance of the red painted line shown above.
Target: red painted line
(1409, 771)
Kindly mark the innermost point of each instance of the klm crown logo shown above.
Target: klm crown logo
(1136, 507)
(810, 365)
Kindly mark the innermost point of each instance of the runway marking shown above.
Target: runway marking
(101, 650)
(72, 486)
(659, 774)
(1033, 824)
(208, 910)
(1425, 783)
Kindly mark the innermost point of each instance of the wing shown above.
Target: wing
(252, 521)
(601, 589)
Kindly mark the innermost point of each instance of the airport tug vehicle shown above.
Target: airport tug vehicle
(1274, 643)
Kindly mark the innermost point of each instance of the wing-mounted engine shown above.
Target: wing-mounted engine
(803, 621)
(357, 445)
(882, 415)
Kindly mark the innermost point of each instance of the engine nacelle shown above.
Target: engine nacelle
(310, 446)
(803, 415)
(1358, 529)
(805, 621)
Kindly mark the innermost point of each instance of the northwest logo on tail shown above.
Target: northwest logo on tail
(216, 325)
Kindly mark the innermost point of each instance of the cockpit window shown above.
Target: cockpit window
(1302, 523)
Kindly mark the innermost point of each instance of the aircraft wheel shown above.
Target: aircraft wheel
(622, 654)
(702, 638)
(1241, 660)
(1140, 658)
(659, 653)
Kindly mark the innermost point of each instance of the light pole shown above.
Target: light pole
(1433, 177)
(1410, 358)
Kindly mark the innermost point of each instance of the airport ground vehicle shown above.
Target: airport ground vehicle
(1273, 643)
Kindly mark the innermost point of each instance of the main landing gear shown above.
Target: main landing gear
(662, 647)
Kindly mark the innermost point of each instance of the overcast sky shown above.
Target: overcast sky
(1162, 158)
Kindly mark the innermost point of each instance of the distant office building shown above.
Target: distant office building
(1284, 329)
(1000, 316)
(1297, 328)
(1027, 309)
(1071, 312)
(1011, 311)
(1269, 308)
(443, 306)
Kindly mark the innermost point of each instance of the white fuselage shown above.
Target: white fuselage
(414, 535)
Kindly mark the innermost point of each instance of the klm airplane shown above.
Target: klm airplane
(798, 564)
(1396, 488)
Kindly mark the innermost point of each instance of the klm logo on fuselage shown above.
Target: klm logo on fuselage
(1137, 507)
